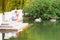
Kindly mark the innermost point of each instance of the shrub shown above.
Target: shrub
(45, 9)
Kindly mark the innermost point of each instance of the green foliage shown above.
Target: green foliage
(18, 4)
(8, 5)
(45, 9)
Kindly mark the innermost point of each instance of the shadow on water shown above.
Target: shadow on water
(44, 30)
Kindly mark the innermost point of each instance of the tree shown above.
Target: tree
(8, 5)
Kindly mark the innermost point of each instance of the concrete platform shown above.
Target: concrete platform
(10, 28)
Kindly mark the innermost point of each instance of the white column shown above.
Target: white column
(0, 36)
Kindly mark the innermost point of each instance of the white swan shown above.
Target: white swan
(53, 20)
(38, 20)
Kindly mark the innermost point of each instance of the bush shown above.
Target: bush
(46, 9)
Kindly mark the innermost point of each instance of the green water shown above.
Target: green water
(41, 31)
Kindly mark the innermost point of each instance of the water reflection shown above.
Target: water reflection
(44, 30)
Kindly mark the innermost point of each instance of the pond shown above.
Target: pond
(44, 30)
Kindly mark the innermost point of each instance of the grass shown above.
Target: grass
(41, 31)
